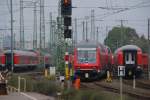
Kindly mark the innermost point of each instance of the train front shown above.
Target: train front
(86, 63)
(131, 58)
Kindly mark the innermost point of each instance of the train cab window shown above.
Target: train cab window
(86, 55)
(129, 58)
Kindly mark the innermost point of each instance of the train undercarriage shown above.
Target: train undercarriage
(90, 75)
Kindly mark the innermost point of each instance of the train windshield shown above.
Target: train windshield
(86, 55)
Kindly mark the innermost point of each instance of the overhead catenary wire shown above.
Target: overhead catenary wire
(109, 9)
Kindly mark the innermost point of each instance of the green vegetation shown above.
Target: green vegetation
(58, 53)
(118, 37)
(92, 95)
(49, 87)
(35, 84)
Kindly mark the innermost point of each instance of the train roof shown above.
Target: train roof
(128, 47)
(22, 52)
(87, 44)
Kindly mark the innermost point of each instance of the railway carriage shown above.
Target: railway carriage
(91, 59)
(129, 56)
(21, 59)
(145, 61)
(2, 61)
(48, 60)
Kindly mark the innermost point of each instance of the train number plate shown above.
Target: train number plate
(86, 75)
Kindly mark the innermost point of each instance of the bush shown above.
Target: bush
(46, 87)
(41, 85)
(93, 95)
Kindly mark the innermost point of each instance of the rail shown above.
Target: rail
(143, 94)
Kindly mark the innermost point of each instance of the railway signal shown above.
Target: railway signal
(66, 12)
(66, 7)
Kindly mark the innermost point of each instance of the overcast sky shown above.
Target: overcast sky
(135, 17)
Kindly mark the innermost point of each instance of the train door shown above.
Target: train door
(8, 60)
(130, 62)
(130, 58)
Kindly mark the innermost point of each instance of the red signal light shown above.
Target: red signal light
(66, 58)
(66, 2)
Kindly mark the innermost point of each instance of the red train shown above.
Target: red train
(132, 58)
(2, 61)
(22, 59)
(91, 59)
(145, 61)
(47, 60)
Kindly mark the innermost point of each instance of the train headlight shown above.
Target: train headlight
(138, 67)
(130, 73)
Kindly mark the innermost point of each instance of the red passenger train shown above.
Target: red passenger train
(91, 59)
(2, 61)
(22, 59)
(132, 58)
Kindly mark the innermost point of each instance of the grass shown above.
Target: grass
(41, 85)
(92, 95)
(49, 87)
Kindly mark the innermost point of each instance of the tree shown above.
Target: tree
(118, 37)
(143, 43)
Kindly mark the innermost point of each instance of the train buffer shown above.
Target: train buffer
(108, 78)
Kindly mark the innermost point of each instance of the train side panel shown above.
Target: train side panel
(145, 61)
(2, 62)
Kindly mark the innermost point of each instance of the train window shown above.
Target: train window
(130, 58)
(127, 56)
(86, 56)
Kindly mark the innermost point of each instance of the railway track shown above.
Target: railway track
(138, 93)
(144, 84)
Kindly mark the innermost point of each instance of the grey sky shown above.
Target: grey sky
(137, 18)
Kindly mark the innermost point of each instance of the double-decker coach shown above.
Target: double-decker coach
(21, 59)
(90, 59)
(2, 61)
